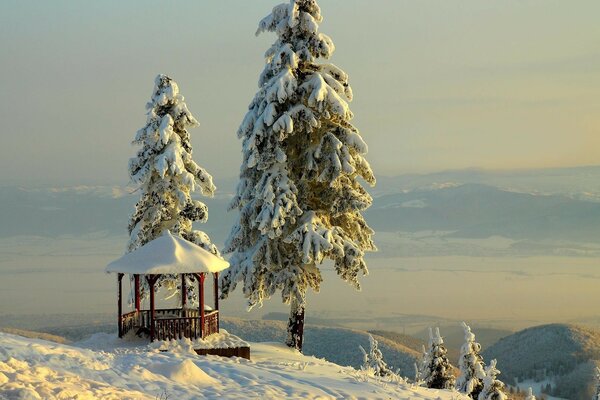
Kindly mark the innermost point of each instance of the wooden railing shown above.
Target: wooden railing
(128, 322)
(177, 328)
(189, 327)
(172, 323)
(165, 312)
(211, 323)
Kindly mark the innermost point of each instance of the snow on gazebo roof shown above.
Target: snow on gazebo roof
(168, 254)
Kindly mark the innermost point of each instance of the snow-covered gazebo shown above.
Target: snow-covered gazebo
(169, 255)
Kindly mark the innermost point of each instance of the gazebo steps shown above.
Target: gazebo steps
(243, 352)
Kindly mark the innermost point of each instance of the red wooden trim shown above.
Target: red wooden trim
(201, 301)
(216, 289)
(120, 304)
(183, 291)
(136, 281)
(151, 281)
(216, 294)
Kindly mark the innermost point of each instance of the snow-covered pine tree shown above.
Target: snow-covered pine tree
(373, 362)
(167, 176)
(471, 366)
(299, 198)
(530, 395)
(438, 373)
(493, 389)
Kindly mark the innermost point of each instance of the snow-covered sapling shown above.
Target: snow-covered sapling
(373, 363)
(530, 395)
(167, 176)
(438, 372)
(299, 197)
(470, 363)
(421, 366)
(417, 373)
(493, 389)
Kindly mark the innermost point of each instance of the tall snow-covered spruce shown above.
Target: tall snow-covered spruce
(471, 366)
(299, 197)
(167, 176)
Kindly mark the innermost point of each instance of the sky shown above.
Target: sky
(437, 84)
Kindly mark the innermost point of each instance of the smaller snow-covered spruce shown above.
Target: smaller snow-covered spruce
(373, 363)
(438, 372)
(167, 176)
(493, 388)
(471, 366)
(530, 395)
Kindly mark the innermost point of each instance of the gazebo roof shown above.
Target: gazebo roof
(168, 254)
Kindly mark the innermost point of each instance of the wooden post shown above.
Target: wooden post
(216, 289)
(201, 301)
(183, 292)
(216, 295)
(151, 280)
(120, 304)
(136, 281)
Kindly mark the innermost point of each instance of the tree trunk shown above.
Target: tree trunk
(295, 329)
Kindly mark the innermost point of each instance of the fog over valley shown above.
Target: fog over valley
(525, 245)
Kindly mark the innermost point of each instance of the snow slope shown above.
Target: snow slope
(37, 369)
(338, 345)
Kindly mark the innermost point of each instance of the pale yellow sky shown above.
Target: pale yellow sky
(438, 84)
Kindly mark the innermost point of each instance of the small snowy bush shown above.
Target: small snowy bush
(373, 362)
(493, 389)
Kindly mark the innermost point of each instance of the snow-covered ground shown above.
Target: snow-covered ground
(104, 367)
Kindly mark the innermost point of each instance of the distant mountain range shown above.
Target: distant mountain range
(577, 182)
(83, 210)
(533, 209)
(481, 211)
